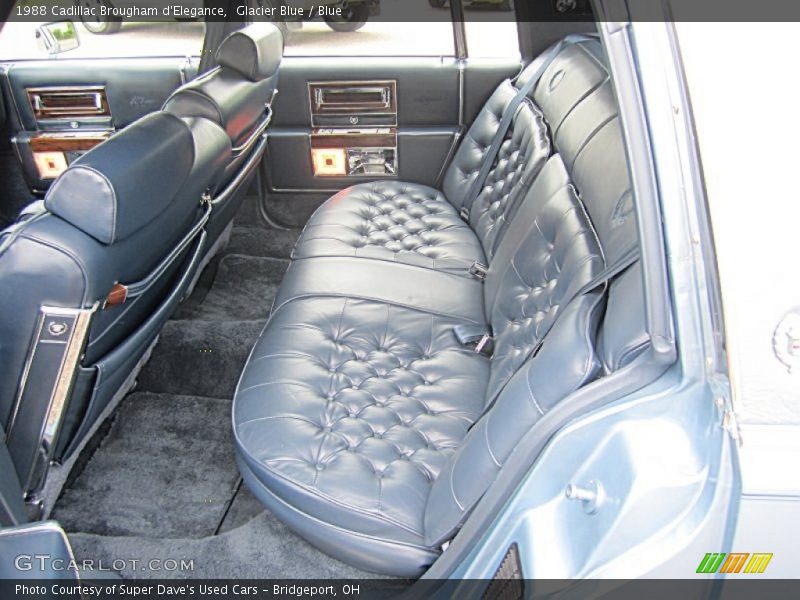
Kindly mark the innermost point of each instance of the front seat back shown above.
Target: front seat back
(91, 274)
(237, 95)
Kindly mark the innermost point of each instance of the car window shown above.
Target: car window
(366, 28)
(408, 28)
(101, 37)
(493, 39)
(379, 38)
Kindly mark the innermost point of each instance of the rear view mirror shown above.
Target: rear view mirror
(58, 37)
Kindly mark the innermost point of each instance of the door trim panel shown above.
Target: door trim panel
(434, 98)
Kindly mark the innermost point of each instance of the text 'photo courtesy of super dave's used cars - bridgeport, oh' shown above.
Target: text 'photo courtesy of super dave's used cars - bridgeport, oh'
(490, 299)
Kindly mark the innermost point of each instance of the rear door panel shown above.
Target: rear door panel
(133, 87)
(436, 98)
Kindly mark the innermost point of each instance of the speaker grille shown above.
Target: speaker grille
(507, 583)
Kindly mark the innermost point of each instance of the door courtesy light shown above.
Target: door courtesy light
(50, 164)
(328, 161)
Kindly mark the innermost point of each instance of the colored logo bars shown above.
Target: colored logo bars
(736, 562)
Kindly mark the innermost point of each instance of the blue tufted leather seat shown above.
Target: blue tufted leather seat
(360, 419)
(386, 220)
(416, 224)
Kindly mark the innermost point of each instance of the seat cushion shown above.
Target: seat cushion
(347, 411)
(394, 221)
(423, 290)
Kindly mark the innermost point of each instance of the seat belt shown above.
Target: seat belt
(599, 280)
(508, 116)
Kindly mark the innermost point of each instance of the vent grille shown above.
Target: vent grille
(507, 583)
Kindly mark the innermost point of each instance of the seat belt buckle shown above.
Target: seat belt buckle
(476, 336)
(485, 345)
(464, 213)
(478, 270)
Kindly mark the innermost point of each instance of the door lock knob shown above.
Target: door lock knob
(591, 495)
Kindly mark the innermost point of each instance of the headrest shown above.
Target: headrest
(124, 183)
(254, 51)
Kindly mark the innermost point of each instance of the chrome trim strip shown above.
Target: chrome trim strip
(78, 321)
(25, 528)
(244, 171)
(262, 127)
(184, 67)
(67, 372)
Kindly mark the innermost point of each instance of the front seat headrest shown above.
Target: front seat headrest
(121, 185)
(254, 51)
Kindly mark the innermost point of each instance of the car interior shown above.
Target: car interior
(292, 316)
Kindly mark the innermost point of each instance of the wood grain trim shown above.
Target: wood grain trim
(67, 142)
(69, 102)
(354, 140)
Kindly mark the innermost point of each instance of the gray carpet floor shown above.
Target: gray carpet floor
(263, 548)
(145, 479)
(159, 480)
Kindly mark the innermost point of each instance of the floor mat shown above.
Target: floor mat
(264, 548)
(257, 241)
(200, 358)
(243, 289)
(165, 469)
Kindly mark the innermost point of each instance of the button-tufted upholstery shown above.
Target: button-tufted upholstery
(371, 394)
(360, 420)
(519, 160)
(558, 254)
(419, 225)
(394, 221)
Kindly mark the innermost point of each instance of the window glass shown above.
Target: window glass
(493, 39)
(105, 38)
(379, 31)
(378, 38)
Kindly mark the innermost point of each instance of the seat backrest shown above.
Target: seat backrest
(236, 93)
(128, 212)
(520, 158)
(577, 97)
(548, 254)
(577, 218)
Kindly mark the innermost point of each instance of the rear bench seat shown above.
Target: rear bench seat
(419, 225)
(360, 419)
